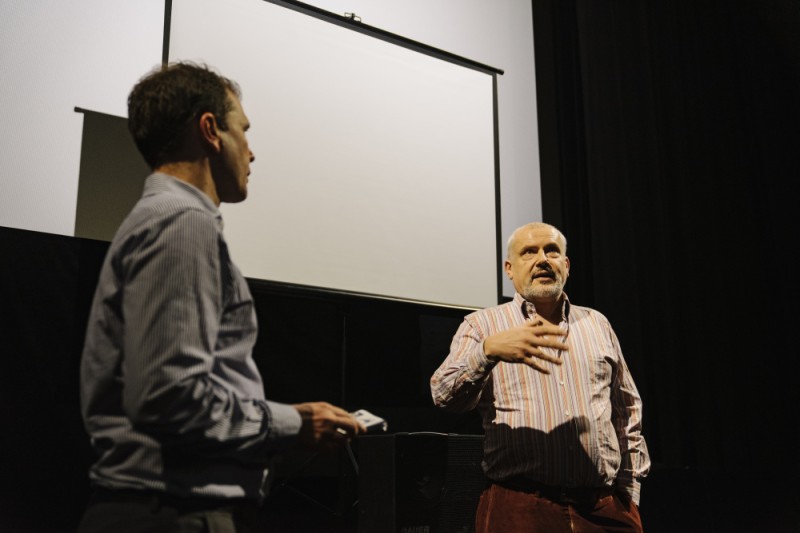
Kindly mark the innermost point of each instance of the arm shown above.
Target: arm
(459, 381)
(627, 418)
(175, 389)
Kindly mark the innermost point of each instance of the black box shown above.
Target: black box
(419, 482)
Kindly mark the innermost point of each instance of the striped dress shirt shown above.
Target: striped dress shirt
(579, 426)
(170, 394)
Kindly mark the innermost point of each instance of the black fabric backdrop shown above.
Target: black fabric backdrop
(357, 352)
(669, 141)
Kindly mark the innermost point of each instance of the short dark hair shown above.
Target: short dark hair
(164, 103)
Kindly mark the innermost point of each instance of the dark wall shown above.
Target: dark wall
(46, 285)
(357, 352)
(669, 133)
(353, 351)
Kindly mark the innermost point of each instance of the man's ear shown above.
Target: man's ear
(209, 131)
(507, 268)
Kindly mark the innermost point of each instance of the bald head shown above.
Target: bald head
(535, 226)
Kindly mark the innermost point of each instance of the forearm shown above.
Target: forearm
(457, 384)
(635, 458)
(210, 419)
(189, 380)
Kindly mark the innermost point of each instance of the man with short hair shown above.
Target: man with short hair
(563, 448)
(171, 396)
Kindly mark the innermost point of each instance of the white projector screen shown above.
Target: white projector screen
(375, 168)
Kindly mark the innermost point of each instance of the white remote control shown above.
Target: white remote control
(372, 422)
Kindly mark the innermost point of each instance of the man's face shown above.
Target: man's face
(536, 263)
(232, 168)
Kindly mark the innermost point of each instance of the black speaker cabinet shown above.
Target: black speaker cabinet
(419, 482)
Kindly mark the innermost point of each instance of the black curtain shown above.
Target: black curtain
(668, 139)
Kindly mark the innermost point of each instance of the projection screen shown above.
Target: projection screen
(375, 168)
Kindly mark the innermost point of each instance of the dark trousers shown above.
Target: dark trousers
(130, 511)
(503, 509)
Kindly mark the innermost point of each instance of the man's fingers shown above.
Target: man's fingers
(536, 365)
(538, 356)
(546, 334)
(345, 424)
(548, 342)
(542, 327)
(549, 358)
(548, 329)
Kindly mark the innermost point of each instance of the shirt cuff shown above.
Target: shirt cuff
(479, 363)
(632, 488)
(284, 423)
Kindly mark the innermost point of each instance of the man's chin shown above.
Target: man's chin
(541, 292)
(234, 197)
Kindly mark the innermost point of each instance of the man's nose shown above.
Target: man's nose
(542, 261)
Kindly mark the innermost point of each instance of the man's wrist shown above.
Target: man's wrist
(490, 359)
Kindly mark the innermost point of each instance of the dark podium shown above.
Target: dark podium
(419, 482)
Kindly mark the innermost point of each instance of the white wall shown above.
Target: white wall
(51, 48)
(498, 33)
(55, 56)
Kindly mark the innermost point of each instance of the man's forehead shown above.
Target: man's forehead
(527, 235)
(237, 103)
(236, 108)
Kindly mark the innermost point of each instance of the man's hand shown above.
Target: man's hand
(524, 345)
(326, 426)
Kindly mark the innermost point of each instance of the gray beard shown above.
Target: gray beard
(539, 292)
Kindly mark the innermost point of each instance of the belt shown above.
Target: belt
(575, 496)
(183, 504)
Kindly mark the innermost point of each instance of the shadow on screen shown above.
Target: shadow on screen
(112, 174)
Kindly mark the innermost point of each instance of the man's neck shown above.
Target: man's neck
(550, 310)
(196, 173)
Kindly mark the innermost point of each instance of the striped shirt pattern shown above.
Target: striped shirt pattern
(170, 394)
(579, 426)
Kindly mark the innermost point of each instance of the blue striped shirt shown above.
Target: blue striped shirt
(579, 426)
(170, 394)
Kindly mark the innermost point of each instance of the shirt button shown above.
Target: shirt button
(566, 413)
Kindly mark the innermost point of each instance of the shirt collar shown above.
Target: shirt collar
(160, 181)
(528, 309)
